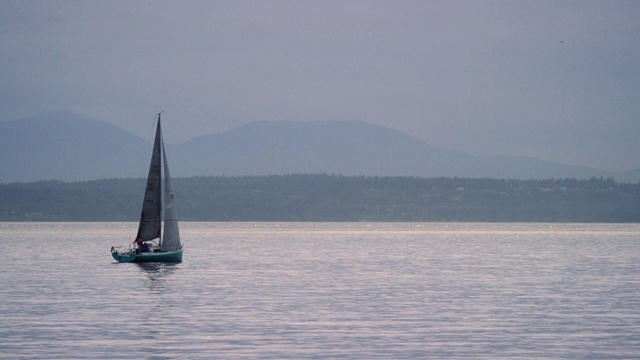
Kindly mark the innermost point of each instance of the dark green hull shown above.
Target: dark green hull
(172, 256)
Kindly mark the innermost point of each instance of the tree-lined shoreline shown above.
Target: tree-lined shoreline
(322, 197)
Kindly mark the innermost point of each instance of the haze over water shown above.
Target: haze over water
(324, 290)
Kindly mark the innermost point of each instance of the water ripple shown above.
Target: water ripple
(352, 290)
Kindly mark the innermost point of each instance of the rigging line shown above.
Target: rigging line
(150, 139)
(145, 169)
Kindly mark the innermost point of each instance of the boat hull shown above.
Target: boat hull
(127, 257)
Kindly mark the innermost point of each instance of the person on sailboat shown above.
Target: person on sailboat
(140, 244)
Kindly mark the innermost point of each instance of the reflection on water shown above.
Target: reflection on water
(155, 313)
(157, 270)
(157, 274)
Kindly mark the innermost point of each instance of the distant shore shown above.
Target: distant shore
(321, 197)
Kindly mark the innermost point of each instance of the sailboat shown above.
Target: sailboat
(151, 244)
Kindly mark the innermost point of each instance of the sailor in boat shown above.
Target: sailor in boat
(140, 244)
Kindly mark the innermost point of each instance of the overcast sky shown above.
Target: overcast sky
(556, 80)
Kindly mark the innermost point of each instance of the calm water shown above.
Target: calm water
(306, 290)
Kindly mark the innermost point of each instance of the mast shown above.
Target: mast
(160, 179)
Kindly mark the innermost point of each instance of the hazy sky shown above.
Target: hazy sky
(556, 80)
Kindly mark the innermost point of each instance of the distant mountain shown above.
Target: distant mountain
(349, 148)
(632, 176)
(65, 146)
(280, 147)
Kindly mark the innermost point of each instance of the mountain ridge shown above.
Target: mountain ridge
(65, 146)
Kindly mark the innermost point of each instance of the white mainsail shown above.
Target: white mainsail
(171, 238)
